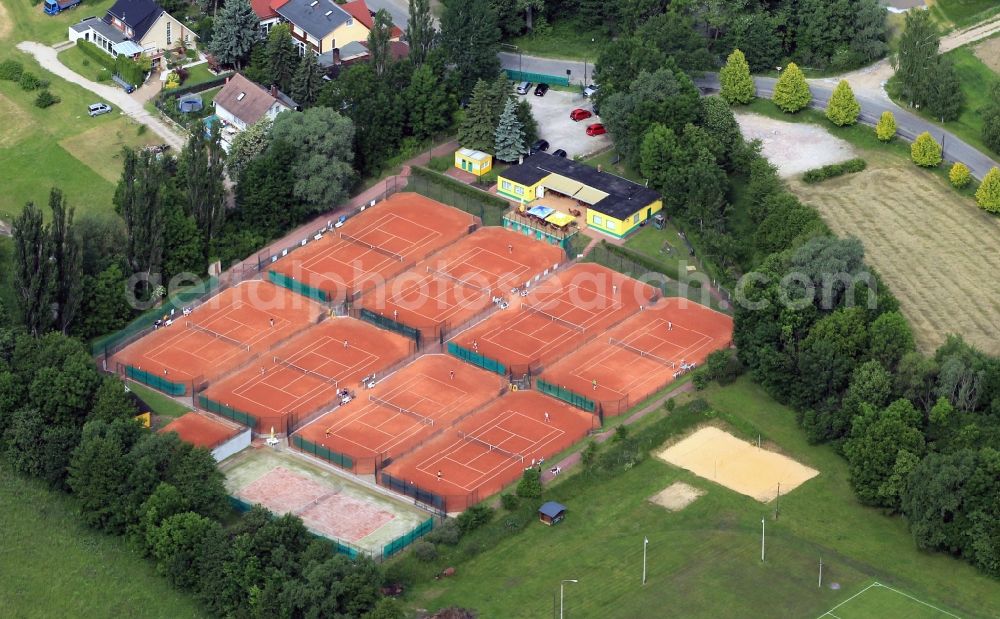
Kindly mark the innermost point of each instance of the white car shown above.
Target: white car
(590, 90)
(97, 109)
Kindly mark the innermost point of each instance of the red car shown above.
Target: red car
(596, 129)
(579, 114)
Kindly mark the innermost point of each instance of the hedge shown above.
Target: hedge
(97, 54)
(650, 263)
(837, 169)
(199, 87)
(460, 187)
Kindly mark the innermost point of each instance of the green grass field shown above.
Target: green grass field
(704, 561)
(53, 566)
(565, 39)
(963, 12)
(162, 405)
(877, 601)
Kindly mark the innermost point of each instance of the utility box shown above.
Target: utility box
(659, 221)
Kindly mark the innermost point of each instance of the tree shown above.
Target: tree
(308, 80)
(201, 167)
(184, 248)
(791, 93)
(925, 151)
(660, 158)
(880, 439)
(916, 57)
(530, 486)
(282, 57)
(99, 470)
(891, 339)
(988, 194)
(428, 105)
(104, 308)
(509, 135)
(843, 108)
(675, 34)
(828, 355)
(234, 33)
(184, 546)
(991, 118)
(959, 175)
(528, 123)
(420, 31)
(247, 145)
(736, 82)
(720, 124)
(33, 271)
(885, 129)
(322, 168)
(754, 35)
(470, 39)
(379, 55)
(265, 195)
(477, 130)
(67, 258)
(943, 95)
(138, 199)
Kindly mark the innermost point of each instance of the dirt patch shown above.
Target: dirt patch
(738, 465)
(794, 147)
(934, 248)
(100, 148)
(18, 124)
(676, 496)
(5, 24)
(989, 52)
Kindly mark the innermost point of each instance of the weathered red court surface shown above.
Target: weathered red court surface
(407, 225)
(406, 408)
(460, 281)
(322, 509)
(269, 389)
(239, 325)
(202, 430)
(642, 354)
(584, 299)
(499, 442)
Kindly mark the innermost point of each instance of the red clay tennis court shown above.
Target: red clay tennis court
(490, 449)
(408, 407)
(378, 243)
(219, 335)
(202, 430)
(460, 281)
(643, 354)
(304, 375)
(562, 312)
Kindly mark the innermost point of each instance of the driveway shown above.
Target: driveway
(117, 97)
(552, 113)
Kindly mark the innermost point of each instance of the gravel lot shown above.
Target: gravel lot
(794, 147)
(552, 113)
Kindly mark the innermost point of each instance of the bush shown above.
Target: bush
(836, 169)
(843, 108)
(45, 99)
(474, 517)
(700, 379)
(530, 486)
(988, 194)
(440, 164)
(959, 175)
(11, 70)
(424, 551)
(29, 81)
(671, 405)
(509, 501)
(97, 54)
(791, 93)
(448, 532)
(925, 151)
(885, 129)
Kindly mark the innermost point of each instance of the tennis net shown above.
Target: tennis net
(427, 421)
(490, 446)
(640, 352)
(565, 323)
(458, 280)
(217, 335)
(384, 252)
(299, 368)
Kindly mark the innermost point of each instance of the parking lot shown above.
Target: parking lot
(552, 113)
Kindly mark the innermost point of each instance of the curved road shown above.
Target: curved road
(908, 125)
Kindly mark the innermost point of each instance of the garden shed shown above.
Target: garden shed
(551, 513)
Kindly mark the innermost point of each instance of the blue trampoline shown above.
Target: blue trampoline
(190, 103)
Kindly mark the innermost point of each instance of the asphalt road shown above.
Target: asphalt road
(908, 125)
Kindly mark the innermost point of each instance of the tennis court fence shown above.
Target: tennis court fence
(223, 410)
(280, 279)
(155, 381)
(566, 395)
(341, 460)
(397, 545)
(440, 503)
(476, 359)
(387, 323)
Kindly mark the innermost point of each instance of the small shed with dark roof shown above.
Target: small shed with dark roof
(551, 513)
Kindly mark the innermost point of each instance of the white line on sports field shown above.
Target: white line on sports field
(918, 601)
(830, 612)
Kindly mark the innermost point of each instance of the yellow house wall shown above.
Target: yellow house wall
(156, 37)
(622, 227)
(527, 191)
(344, 34)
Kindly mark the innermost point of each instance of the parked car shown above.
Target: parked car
(523, 88)
(539, 145)
(597, 111)
(559, 152)
(96, 109)
(579, 114)
(596, 129)
(541, 89)
(589, 91)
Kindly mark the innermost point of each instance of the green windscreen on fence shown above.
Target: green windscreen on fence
(403, 541)
(477, 359)
(390, 324)
(566, 395)
(227, 411)
(411, 490)
(527, 76)
(155, 381)
(296, 286)
(341, 460)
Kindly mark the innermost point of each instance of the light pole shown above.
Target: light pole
(645, 542)
(762, 540)
(561, 585)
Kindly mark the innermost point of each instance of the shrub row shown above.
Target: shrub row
(460, 187)
(641, 260)
(837, 169)
(97, 54)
